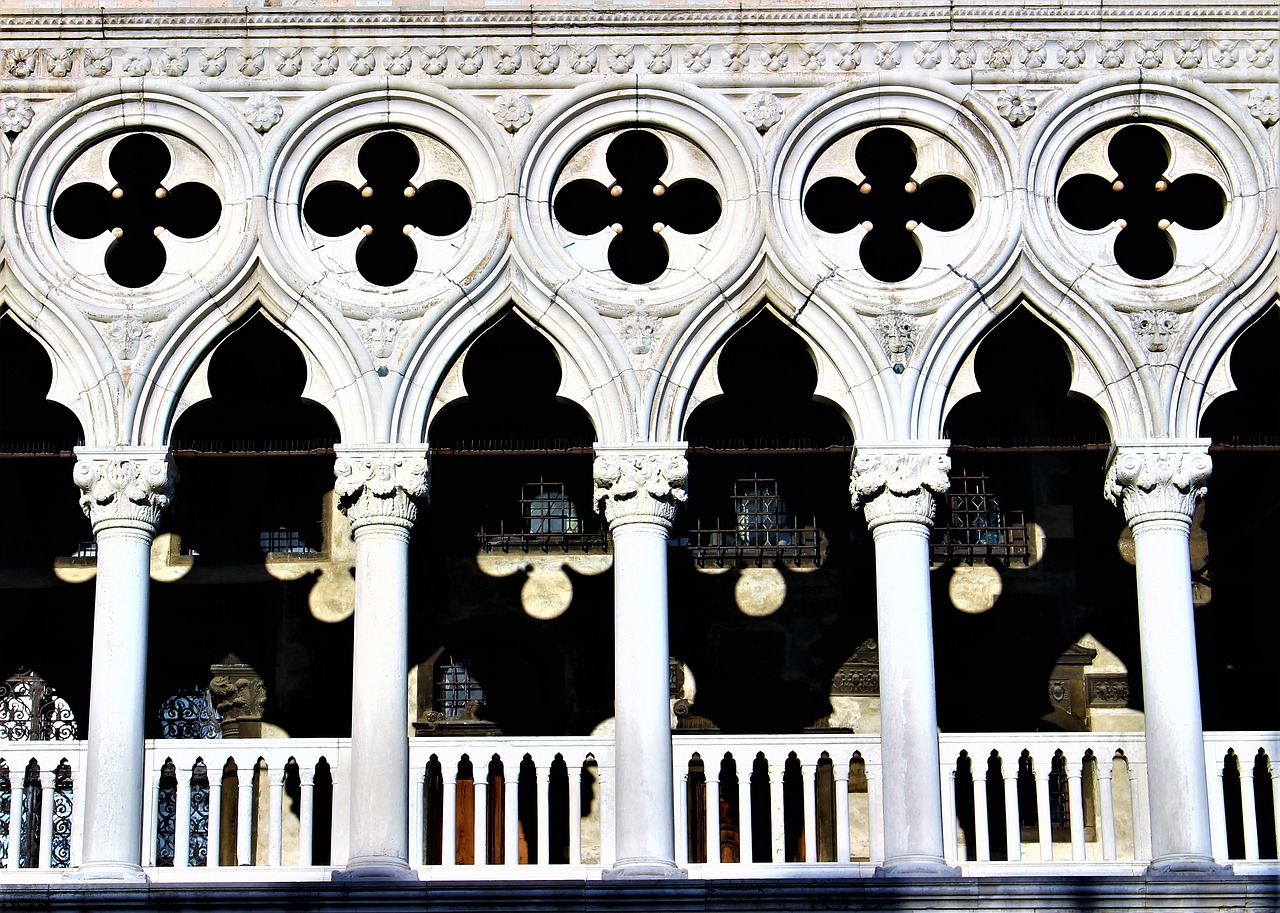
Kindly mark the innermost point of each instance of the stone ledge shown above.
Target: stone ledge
(1115, 894)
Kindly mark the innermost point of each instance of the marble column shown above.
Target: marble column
(378, 489)
(125, 491)
(895, 485)
(639, 488)
(1157, 483)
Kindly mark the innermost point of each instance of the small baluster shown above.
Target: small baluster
(544, 816)
(713, 814)
(981, 827)
(745, 847)
(1107, 796)
(46, 818)
(1248, 808)
(480, 815)
(275, 831)
(245, 777)
(306, 812)
(1042, 811)
(213, 836)
(511, 800)
(808, 776)
(1012, 822)
(776, 817)
(1075, 806)
(182, 818)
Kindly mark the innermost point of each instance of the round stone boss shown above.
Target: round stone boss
(906, 157)
(415, 171)
(187, 247)
(640, 195)
(1162, 134)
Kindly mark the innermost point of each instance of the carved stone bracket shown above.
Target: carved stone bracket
(894, 481)
(124, 486)
(1158, 479)
(640, 484)
(381, 484)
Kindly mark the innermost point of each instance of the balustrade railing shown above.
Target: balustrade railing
(542, 807)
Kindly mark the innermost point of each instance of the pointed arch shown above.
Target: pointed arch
(339, 374)
(847, 379)
(594, 370)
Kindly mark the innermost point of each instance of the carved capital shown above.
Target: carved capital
(1158, 479)
(124, 486)
(239, 694)
(380, 484)
(640, 484)
(898, 482)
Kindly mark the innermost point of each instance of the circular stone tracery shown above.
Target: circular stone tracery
(133, 197)
(637, 206)
(387, 208)
(1140, 200)
(889, 203)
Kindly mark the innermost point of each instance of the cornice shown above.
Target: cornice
(114, 21)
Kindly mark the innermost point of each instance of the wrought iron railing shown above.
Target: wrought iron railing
(795, 545)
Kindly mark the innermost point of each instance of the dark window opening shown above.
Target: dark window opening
(973, 524)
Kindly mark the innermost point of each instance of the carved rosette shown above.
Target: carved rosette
(129, 487)
(640, 485)
(380, 485)
(1158, 479)
(899, 483)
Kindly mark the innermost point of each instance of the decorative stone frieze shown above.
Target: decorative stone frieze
(1158, 479)
(380, 485)
(125, 487)
(899, 481)
(643, 484)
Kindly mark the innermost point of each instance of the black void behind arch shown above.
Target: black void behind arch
(1043, 451)
(769, 432)
(511, 434)
(1240, 513)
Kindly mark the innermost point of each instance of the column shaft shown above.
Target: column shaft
(114, 776)
(646, 829)
(379, 704)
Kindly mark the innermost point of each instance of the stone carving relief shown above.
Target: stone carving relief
(380, 486)
(262, 112)
(123, 488)
(128, 338)
(512, 111)
(1016, 104)
(892, 484)
(1158, 480)
(1155, 329)
(897, 332)
(638, 329)
(762, 110)
(379, 334)
(640, 485)
(240, 695)
(15, 114)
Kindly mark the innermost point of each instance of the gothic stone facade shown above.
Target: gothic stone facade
(906, 292)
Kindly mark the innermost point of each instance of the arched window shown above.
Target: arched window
(32, 711)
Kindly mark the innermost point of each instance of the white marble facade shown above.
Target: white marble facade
(494, 109)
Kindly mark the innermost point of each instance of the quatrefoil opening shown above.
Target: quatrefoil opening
(889, 204)
(387, 208)
(1141, 200)
(638, 206)
(137, 210)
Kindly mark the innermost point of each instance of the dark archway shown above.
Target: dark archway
(771, 588)
(1026, 550)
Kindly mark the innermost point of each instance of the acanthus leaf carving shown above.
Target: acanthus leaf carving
(380, 484)
(125, 487)
(899, 482)
(1158, 479)
(640, 484)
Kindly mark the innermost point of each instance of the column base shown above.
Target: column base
(916, 867)
(1188, 864)
(109, 871)
(387, 868)
(643, 867)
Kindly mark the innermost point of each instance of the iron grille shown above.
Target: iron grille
(549, 521)
(973, 525)
(31, 711)
(284, 541)
(763, 531)
(457, 693)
